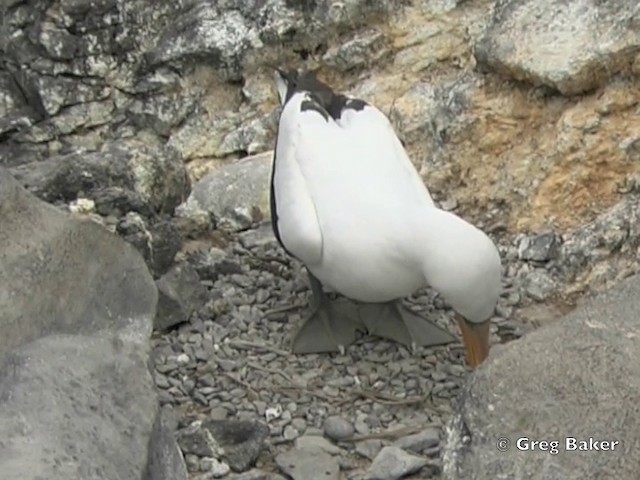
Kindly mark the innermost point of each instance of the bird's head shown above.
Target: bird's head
(463, 265)
(289, 82)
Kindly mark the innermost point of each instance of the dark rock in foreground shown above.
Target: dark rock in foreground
(61, 275)
(76, 309)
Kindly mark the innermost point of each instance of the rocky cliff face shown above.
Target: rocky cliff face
(523, 113)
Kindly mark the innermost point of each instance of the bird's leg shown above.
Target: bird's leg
(331, 325)
(394, 321)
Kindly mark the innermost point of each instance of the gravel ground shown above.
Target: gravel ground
(232, 362)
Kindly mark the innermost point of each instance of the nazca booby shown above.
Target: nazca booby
(348, 203)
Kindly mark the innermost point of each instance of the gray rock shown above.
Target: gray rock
(85, 406)
(591, 42)
(304, 464)
(540, 248)
(596, 347)
(338, 428)
(239, 442)
(132, 176)
(165, 459)
(419, 442)
(369, 448)
(180, 294)
(214, 468)
(615, 231)
(193, 222)
(203, 31)
(158, 243)
(66, 275)
(239, 187)
(539, 285)
(393, 463)
(311, 442)
(359, 52)
(255, 475)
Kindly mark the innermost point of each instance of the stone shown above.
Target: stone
(600, 240)
(241, 440)
(66, 275)
(369, 448)
(85, 405)
(596, 347)
(539, 285)
(165, 460)
(359, 52)
(392, 463)
(214, 467)
(193, 222)
(591, 42)
(337, 428)
(316, 442)
(303, 464)
(540, 248)
(123, 176)
(158, 243)
(242, 186)
(419, 442)
(255, 474)
(180, 295)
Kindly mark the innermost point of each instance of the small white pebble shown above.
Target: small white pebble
(272, 413)
(182, 359)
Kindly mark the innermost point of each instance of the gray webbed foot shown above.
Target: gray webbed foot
(330, 327)
(394, 321)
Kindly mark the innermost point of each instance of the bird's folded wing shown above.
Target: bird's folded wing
(297, 219)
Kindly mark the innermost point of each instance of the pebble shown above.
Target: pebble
(393, 463)
(308, 464)
(215, 467)
(540, 248)
(369, 448)
(420, 441)
(337, 428)
(290, 433)
(311, 442)
(539, 285)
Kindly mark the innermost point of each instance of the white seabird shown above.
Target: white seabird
(349, 204)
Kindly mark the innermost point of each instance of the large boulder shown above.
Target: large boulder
(133, 175)
(574, 380)
(572, 46)
(75, 406)
(77, 305)
(61, 275)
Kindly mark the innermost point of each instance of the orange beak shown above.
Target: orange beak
(475, 337)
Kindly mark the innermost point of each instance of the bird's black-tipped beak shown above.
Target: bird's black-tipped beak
(476, 340)
(283, 81)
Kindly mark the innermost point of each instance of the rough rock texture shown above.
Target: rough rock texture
(62, 275)
(76, 310)
(580, 375)
(569, 46)
(237, 195)
(75, 407)
(121, 177)
(180, 294)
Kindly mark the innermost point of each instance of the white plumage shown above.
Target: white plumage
(351, 206)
